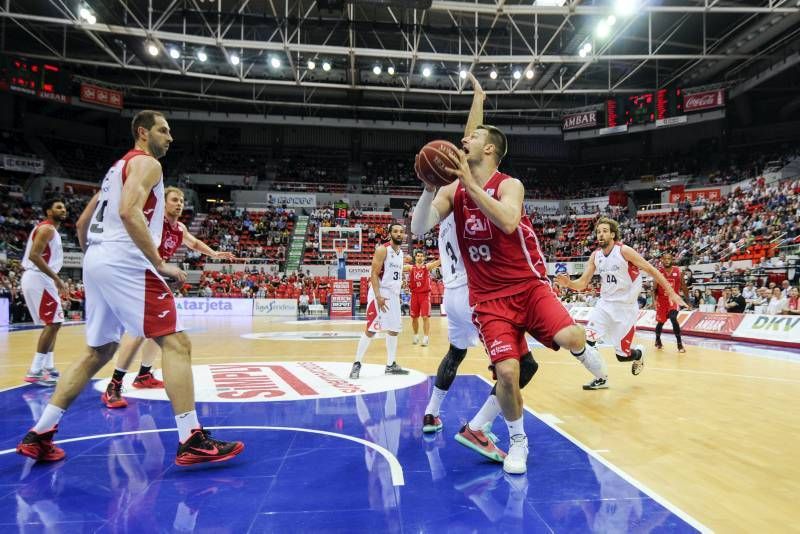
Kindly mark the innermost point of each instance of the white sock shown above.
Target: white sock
(50, 417)
(363, 345)
(48, 362)
(437, 396)
(516, 427)
(391, 349)
(593, 361)
(38, 361)
(487, 414)
(186, 423)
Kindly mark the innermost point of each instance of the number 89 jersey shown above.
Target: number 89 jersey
(106, 225)
(497, 264)
(453, 272)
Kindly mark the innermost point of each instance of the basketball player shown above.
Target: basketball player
(614, 316)
(506, 274)
(173, 234)
(665, 309)
(125, 290)
(461, 331)
(383, 301)
(420, 285)
(43, 289)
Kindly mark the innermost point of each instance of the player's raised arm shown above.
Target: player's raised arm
(635, 258)
(475, 118)
(581, 283)
(433, 264)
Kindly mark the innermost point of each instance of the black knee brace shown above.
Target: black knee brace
(527, 368)
(449, 367)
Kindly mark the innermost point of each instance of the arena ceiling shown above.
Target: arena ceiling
(152, 49)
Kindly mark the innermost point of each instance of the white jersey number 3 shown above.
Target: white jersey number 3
(481, 253)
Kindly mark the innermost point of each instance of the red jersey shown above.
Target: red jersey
(673, 276)
(171, 239)
(419, 280)
(497, 264)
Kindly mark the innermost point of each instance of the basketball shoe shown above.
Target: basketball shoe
(40, 378)
(638, 365)
(597, 383)
(112, 397)
(356, 370)
(431, 423)
(425, 341)
(516, 462)
(201, 447)
(40, 447)
(415, 341)
(147, 381)
(52, 372)
(395, 369)
(480, 443)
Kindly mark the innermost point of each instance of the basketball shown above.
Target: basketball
(433, 160)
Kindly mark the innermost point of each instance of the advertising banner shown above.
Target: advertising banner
(275, 307)
(213, 307)
(773, 329)
(73, 260)
(101, 96)
(4, 315)
(647, 320)
(576, 121)
(341, 299)
(694, 194)
(712, 324)
(292, 200)
(703, 100)
(592, 204)
(22, 164)
(355, 272)
(542, 207)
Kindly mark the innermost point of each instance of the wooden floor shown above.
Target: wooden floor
(713, 432)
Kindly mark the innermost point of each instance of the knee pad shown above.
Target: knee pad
(449, 367)
(527, 369)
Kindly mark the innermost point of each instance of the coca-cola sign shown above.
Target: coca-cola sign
(585, 119)
(703, 100)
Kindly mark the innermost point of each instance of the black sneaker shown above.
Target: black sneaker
(395, 369)
(201, 447)
(681, 349)
(658, 344)
(356, 370)
(597, 383)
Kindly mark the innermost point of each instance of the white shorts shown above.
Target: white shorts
(124, 293)
(460, 330)
(42, 298)
(614, 323)
(377, 320)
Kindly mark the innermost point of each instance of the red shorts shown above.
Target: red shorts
(502, 322)
(663, 307)
(421, 304)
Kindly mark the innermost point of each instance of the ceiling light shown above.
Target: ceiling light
(376, 70)
(326, 66)
(463, 74)
(426, 71)
(275, 62)
(202, 56)
(529, 74)
(152, 49)
(234, 59)
(174, 53)
(311, 65)
(390, 70)
(517, 74)
(91, 19)
(493, 74)
(625, 8)
(582, 52)
(587, 47)
(611, 20)
(84, 13)
(602, 29)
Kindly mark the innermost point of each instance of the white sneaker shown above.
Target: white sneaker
(638, 365)
(425, 341)
(516, 462)
(416, 340)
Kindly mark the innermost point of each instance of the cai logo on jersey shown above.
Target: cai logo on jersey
(476, 225)
(278, 381)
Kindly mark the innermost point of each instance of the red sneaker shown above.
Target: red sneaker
(147, 381)
(480, 443)
(431, 423)
(200, 448)
(112, 397)
(40, 447)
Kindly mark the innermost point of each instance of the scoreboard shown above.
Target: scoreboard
(644, 108)
(36, 78)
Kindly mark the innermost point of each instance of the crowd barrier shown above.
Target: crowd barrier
(780, 330)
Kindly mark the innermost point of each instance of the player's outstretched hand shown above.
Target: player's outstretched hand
(562, 280)
(676, 299)
(219, 255)
(171, 271)
(476, 85)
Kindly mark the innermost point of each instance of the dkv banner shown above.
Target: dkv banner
(779, 329)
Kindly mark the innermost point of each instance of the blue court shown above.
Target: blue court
(343, 464)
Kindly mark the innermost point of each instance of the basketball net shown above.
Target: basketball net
(339, 252)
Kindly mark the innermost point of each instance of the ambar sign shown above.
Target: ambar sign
(585, 119)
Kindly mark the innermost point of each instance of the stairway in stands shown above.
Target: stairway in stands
(297, 244)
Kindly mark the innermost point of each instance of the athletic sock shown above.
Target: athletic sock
(391, 349)
(49, 361)
(363, 345)
(119, 374)
(38, 361)
(487, 414)
(516, 428)
(591, 359)
(186, 423)
(144, 369)
(50, 417)
(435, 402)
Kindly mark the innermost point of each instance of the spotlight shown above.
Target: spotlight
(426, 71)
(326, 66)
(174, 53)
(376, 70)
(275, 62)
(493, 74)
(202, 56)
(463, 74)
(625, 8)
(91, 19)
(390, 70)
(234, 59)
(587, 47)
(529, 74)
(152, 49)
(311, 65)
(84, 13)
(517, 74)
(582, 52)
(611, 20)
(602, 29)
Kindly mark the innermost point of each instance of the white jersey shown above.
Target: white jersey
(106, 225)
(53, 253)
(620, 280)
(392, 277)
(453, 272)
